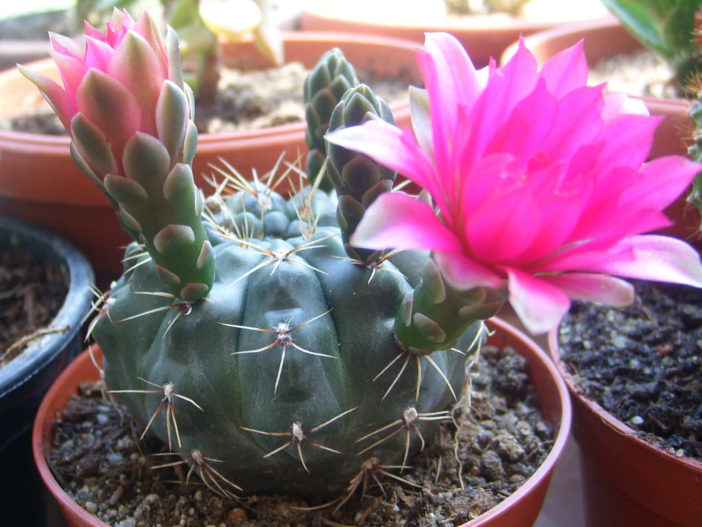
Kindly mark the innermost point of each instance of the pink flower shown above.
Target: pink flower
(539, 181)
(111, 83)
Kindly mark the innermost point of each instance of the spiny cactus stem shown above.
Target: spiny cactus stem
(407, 424)
(184, 308)
(279, 256)
(375, 264)
(298, 435)
(168, 392)
(208, 475)
(417, 358)
(283, 338)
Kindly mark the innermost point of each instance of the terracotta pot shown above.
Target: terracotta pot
(39, 181)
(626, 481)
(605, 38)
(518, 510)
(482, 35)
(25, 378)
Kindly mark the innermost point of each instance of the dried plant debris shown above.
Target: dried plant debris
(31, 294)
(643, 363)
(495, 441)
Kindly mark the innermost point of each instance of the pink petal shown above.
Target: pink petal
(145, 27)
(619, 103)
(627, 141)
(566, 70)
(522, 135)
(465, 273)
(451, 81)
(71, 68)
(397, 220)
(577, 124)
(55, 95)
(653, 257)
(505, 88)
(593, 288)
(503, 225)
(97, 54)
(388, 145)
(661, 182)
(457, 77)
(110, 106)
(137, 67)
(538, 304)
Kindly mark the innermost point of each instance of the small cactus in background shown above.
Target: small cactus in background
(468, 7)
(276, 344)
(695, 149)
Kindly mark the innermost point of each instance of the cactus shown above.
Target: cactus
(695, 149)
(670, 28)
(328, 81)
(282, 369)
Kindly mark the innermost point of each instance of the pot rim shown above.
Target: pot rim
(480, 24)
(607, 418)
(48, 409)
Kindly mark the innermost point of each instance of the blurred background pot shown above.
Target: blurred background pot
(26, 377)
(484, 36)
(39, 182)
(519, 509)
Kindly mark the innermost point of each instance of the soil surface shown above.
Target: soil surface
(31, 293)
(642, 72)
(643, 363)
(248, 100)
(495, 442)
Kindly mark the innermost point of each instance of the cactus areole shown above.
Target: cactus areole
(246, 332)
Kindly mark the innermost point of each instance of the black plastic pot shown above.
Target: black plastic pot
(25, 379)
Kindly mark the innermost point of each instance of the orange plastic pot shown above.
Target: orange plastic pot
(606, 38)
(40, 183)
(518, 510)
(627, 481)
(484, 36)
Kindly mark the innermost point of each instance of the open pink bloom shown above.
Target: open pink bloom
(111, 83)
(540, 183)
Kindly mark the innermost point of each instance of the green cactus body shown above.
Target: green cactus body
(695, 151)
(290, 367)
(330, 79)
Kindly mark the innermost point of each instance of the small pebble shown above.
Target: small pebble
(236, 516)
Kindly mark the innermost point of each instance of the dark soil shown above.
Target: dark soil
(643, 363)
(500, 440)
(31, 293)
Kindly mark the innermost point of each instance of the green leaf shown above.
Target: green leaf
(663, 25)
